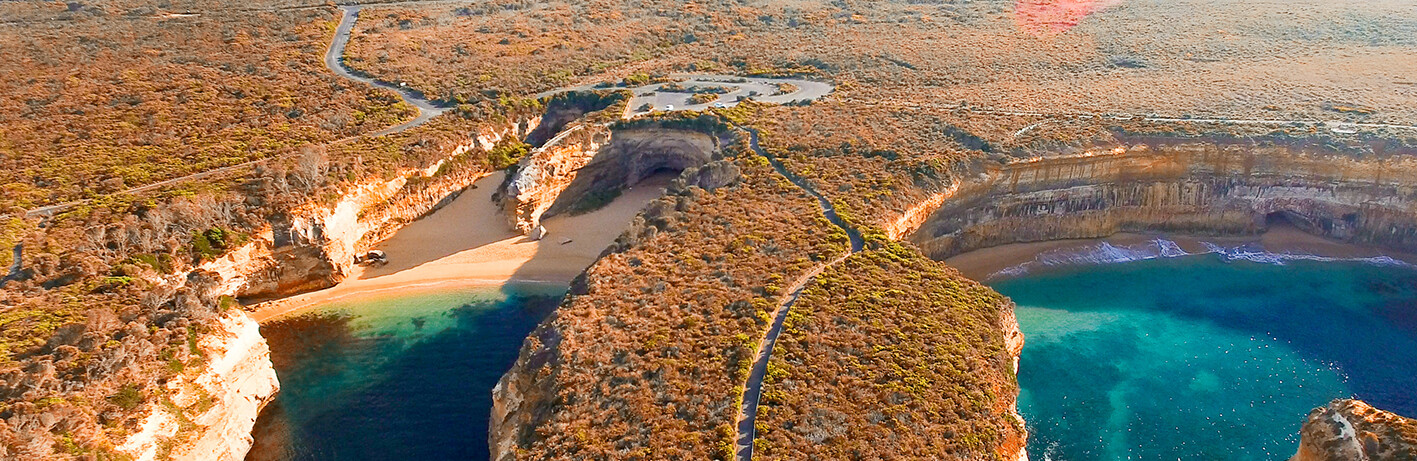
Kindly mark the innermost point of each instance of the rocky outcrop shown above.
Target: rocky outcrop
(1351, 430)
(1014, 448)
(544, 173)
(519, 395)
(589, 159)
(211, 413)
(1185, 186)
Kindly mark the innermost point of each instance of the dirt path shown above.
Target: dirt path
(753, 387)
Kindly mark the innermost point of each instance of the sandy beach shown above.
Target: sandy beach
(980, 264)
(469, 243)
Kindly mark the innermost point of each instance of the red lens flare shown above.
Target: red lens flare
(1046, 18)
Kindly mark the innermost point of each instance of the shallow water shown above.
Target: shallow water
(406, 377)
(1207, 356)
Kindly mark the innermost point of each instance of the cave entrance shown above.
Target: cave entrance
(657, 176)
(1277, 218)
(1287, 219)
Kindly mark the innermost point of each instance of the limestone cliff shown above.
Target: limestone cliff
(1013, 448)
(210, 414)
(314, 248)
(1179, 185)
(1351, 430)
(543, 174)
(591, 158)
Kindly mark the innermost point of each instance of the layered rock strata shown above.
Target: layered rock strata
(315, 248)
(212, 413)
(1183, 186)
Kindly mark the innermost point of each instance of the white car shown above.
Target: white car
(669, 107)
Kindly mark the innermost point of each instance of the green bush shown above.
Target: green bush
(212, 243)
(507, 153)
(594, 201)
(128, 397)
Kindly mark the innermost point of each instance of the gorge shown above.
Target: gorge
(765, 229)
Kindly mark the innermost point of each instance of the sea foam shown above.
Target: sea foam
(1109, 253)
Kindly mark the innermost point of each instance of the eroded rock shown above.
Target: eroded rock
(1351, 430)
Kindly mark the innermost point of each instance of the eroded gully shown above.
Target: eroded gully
(753, 387)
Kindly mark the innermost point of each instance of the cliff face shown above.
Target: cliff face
(1185, 186)
(1013, 447)
(1350, 430)
(587, 159)
(212, 413)
(544, 173)
(315, 248)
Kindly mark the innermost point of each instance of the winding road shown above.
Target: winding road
(428, 109)
(334, 60)
(753, 387)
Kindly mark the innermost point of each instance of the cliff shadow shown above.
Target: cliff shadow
(472, 220)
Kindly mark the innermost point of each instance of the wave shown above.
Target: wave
(1108, 253)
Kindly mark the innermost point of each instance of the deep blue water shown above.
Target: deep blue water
(403, 377)
(1204, 358)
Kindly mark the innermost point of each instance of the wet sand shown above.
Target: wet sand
(980, 264)
(470, 243)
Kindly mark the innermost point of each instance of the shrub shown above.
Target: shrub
(212, 243)
(128, 397)
(507, 153)
(594, 201)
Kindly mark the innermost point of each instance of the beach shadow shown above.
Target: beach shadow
(575, 241)
(470, 221)
(472, 231)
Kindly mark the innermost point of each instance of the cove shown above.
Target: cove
(1206, 356)
(403, 376)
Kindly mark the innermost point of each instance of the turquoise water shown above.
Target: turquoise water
(402, 377)
(1203, 358)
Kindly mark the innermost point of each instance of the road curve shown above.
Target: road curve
(334, 59)
(753, 387)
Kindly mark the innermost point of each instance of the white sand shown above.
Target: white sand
(469, 242)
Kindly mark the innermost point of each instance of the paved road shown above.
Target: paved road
(753, 387)
(334, 59)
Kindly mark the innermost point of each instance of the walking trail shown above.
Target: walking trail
(753, 387)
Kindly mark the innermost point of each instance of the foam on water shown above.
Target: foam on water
(1109, 253)
(1218, 355)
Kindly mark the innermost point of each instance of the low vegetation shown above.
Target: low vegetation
(661, 332)
(891, 355)
(101, 103)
